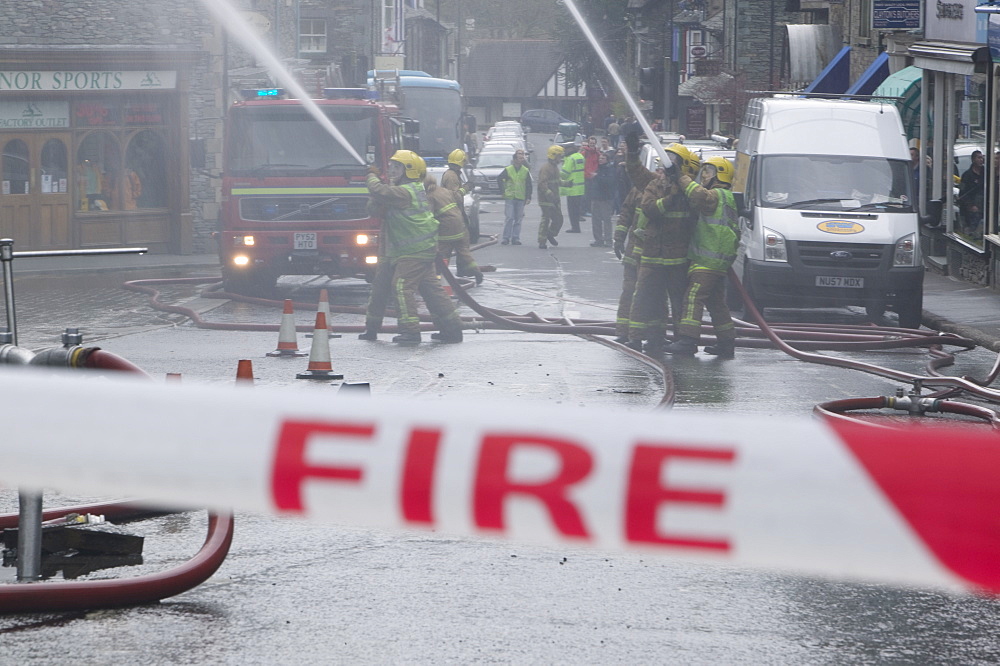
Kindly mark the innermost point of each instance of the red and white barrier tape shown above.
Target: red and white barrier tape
(919, 506)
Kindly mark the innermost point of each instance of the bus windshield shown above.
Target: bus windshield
(439, 111)
(286, 140)
(835, 183)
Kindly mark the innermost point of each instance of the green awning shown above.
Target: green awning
(905, 86)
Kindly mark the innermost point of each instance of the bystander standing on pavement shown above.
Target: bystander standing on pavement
(602, 202)
(971, 195)
(614, 133)
(590, 151)
(515, 183)
(572, 185)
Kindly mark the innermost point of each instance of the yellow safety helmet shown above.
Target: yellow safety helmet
(723, 169)
(689, 162)
(457, 157)
(414, 165)
(555, 152)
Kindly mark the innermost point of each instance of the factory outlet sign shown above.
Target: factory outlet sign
(85, 80)
(34, 115)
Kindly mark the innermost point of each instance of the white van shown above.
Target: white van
(824, 188)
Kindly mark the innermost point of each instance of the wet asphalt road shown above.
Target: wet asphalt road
(295, 592)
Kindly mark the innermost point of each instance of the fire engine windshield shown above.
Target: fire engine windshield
(835, 183)
(285, 140)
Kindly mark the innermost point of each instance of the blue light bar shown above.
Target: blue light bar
(251, 94)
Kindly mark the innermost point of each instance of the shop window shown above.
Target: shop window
(15, 167)
(98, 170)
(54, 167)
(145, 178)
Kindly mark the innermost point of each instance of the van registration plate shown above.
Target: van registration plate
(305, 241)
(836, 281)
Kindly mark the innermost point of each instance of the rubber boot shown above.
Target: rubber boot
(407, 338)
(653, 347)
(724, 349)
(635, 345)
(448, 335)
(622, 339)
(479, 278)
(682, 346)
(370, 334)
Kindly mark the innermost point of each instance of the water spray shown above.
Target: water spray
(653, 140)
(239, 28)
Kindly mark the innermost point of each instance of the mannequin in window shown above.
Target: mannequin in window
(92, 183)
(133, 188)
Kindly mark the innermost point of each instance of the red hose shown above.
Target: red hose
(100, 359)
(90, 594)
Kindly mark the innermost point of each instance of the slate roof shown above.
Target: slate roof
(509, 68)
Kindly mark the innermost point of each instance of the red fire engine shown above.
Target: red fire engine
(294, 200)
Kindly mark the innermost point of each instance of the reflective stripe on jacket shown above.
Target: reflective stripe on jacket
(716, 238)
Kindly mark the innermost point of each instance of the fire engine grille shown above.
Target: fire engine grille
(841, 255)
(297, 209)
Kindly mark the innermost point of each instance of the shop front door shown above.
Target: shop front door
(35, 201)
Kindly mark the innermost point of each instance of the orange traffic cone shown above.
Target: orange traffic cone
(288, 344)
(244, 372)
(324, 307)
(319, 354)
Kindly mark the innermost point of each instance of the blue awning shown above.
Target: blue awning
(835, 77)
(873, 76)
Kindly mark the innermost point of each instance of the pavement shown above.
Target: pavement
(950, 305)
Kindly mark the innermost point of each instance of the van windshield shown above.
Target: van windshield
(835, 183)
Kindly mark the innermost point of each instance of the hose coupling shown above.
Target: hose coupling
(13, 355)
(73, 356)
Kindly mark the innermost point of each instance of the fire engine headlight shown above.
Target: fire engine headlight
(361, 239)
(774, 246)
(906, 251)
(371, 260)
(243, 240)
(241, 260)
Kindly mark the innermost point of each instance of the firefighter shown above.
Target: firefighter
(452, 178)
(662, 275)
(549, 181)
(628, 248)
(629, 254)
(713, 250)
(453, 236)
(410, 246)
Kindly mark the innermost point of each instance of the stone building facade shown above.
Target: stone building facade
(100, 104)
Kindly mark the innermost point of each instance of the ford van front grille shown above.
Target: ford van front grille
(841, 255)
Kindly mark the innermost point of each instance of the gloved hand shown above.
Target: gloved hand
(639, 233)
(671, 171)
(632, 143)
(372, 169)
(619, 248)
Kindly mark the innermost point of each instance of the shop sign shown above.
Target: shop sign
(896, 14)
(93, 114)
(143, 114)
(34, 115)
(90, 80)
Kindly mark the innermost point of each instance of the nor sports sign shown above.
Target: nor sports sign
(915, 506)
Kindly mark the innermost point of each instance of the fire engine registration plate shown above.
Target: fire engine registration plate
(305, 241)
(835, 281)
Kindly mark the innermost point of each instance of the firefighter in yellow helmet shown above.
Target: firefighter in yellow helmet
(452, 178)
(662, 276)
(549, 181)
(713, 249)
(409, 245)
(453, 235)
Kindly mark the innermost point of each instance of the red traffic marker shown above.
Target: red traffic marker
(320, 366)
